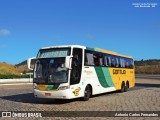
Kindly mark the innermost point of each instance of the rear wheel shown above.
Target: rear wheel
(123, 87)
(126, 87)
(87, 93)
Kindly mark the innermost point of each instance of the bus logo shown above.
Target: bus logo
(115, 71)
(76, 91)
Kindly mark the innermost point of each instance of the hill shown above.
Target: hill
(23, 66)
(151, 66)
(147, 62)
(6, 69)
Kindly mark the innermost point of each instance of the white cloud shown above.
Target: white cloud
(4, 32)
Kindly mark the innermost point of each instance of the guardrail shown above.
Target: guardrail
(20, 80)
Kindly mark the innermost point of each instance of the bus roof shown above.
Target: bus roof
(61, 46)
(110, 52)
(88, 48)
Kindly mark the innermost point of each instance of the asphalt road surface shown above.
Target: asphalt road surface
(145, 76)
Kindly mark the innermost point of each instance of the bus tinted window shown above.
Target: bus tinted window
(107, 60)
(98, 59)
(93, 58)
(130, 63)
(122, 62)
(89, 58)
(126, 62)
(113, 61)
(117, 62)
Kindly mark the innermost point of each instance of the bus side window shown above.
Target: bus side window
(95, 57)
(113, 62)
(89, 58)
(96, 60)
(130, 63)
(122, 62)
(109, 61)
(86, 59)
(105, 60)
(127, 63)
(117, 62)
(100, 59)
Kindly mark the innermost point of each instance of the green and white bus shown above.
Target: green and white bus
(73, 71)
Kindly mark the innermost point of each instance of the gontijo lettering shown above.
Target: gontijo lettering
(115, 71)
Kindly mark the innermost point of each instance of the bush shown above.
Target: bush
(148, 69)
(13, 76)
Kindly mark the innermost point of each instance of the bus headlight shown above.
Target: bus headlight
(63, 87)
(35, 87)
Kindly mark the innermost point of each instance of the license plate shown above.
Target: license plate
(47, 94)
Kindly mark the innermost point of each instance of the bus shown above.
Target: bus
(75, 71)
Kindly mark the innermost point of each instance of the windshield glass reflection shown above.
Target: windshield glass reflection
(50, 70)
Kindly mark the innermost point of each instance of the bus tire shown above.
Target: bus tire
(122, 87)
(87, 93)
(126, 86)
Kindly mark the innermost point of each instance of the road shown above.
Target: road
(141, 98)
(146, 76)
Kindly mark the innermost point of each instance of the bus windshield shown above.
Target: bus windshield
(50, 71)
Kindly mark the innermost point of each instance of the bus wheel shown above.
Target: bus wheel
(123, 87)
(126, 87)
(87, 93)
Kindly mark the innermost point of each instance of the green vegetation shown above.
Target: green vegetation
(13, 76)
(8, 71)
(151, 66)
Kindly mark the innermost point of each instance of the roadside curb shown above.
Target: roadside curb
(14, 84)
(14, 81)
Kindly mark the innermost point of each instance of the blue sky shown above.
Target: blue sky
(28, 25)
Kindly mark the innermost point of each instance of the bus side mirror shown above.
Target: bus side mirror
(29, 63)
(68, 62)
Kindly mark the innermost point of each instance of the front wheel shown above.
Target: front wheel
(87, 93)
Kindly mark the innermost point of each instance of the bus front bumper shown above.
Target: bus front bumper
(59, 94)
